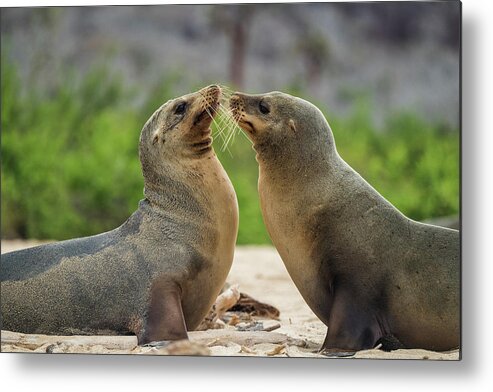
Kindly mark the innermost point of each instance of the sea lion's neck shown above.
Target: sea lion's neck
(179, 201)
(200, 194)
(294, 164)
(177, 191)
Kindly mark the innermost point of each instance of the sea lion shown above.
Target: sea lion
(158, 274)
(366, 270)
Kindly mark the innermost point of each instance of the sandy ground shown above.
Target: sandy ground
(260, 273)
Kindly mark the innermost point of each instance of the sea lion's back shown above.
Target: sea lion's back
(27, 263)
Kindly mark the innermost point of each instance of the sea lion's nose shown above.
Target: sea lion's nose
(237, 97)
(234, 101)
(212, 88)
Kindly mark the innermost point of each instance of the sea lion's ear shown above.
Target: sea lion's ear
(291, 125)
(155, 138)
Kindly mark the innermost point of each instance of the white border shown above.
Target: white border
(473, 373)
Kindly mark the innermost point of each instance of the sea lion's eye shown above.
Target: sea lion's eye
(264, 109)
(180, 109)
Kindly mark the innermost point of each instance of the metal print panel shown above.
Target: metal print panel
(274, 180)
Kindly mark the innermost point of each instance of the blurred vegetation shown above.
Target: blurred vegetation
(70, 163)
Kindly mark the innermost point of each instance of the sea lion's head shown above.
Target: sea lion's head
(180, 127)
(281, 126)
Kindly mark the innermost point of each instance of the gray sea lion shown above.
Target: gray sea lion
(366, 270)
(158, 274)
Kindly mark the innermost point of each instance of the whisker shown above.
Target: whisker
(229, 137)
(245, 136)
(226, 126)
(225, 118)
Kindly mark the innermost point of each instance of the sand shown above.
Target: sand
(259, 272)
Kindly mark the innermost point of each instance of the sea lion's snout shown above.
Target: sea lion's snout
(209, 102)
(237, 106)
(211, 95)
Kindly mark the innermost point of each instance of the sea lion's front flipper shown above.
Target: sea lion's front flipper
(352, 326)
(164, 320)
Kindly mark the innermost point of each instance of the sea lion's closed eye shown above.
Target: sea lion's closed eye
(180, 109)
(263, 107)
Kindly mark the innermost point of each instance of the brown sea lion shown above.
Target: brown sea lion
(158, 274)
(366, 270)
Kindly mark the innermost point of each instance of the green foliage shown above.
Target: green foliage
(70, 159)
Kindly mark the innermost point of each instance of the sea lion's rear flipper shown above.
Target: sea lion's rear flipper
(164, 319)
(390, 343)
